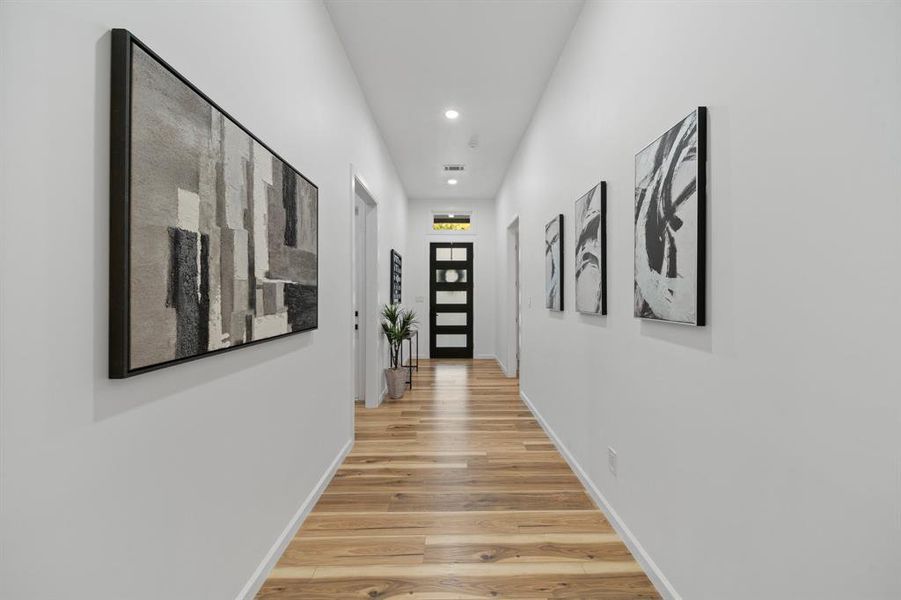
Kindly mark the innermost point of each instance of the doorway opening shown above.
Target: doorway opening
(514, 300)
(450, 300)
(364, 241)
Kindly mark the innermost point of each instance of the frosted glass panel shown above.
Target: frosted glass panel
(450, 275)
(458, 297)
(450, 318)
(442, 254)
(458, 254)
(450, 340)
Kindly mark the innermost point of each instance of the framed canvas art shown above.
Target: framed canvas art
(396, 272)
(214, 238)
(553, 264)
(591, 251)
(670, 224)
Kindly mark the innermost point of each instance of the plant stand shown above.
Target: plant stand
(410, 364)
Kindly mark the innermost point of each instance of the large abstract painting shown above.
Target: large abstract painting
(553, 264)
(670, 210)
(214, 237)
(591, 251)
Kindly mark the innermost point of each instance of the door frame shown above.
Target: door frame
(434, 307)
(514, 300)
(372, 387)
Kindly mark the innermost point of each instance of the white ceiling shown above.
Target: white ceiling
(489, 59)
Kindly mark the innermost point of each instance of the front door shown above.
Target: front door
(450, 291)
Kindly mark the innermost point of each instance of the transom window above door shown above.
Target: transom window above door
(451, 221)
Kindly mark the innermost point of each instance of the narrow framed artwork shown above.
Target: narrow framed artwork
(396, 274)
(553, 264)
(671, 224)
(591, 251)
(214, 237)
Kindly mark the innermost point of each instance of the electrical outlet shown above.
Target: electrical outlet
(611, 460)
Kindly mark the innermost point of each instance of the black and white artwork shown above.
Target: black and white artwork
(553, 264)
(396, 273)
(215, 237)
(591, 251)
(670, 211)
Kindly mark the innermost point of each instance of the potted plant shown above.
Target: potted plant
(397, 324)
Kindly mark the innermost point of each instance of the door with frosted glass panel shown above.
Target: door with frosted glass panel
(450, 316)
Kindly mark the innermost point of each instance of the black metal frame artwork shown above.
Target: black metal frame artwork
(582, 262)
(121, 199)
(396, 274)
(549, 300)
(670, 214)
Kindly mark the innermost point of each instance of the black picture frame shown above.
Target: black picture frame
(701, 221)
(122, 43)
(602, 246)
(549, 303)
(396, 269)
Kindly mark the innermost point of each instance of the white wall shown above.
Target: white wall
(416, 266)
(174, 484)
(758, 456)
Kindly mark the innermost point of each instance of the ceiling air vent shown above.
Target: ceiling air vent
(454, 168)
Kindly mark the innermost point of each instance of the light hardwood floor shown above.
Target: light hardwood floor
(455, 492)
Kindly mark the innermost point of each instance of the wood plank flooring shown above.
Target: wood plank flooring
(455, 492)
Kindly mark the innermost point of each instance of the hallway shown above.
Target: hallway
(650, 250)
(455, 491)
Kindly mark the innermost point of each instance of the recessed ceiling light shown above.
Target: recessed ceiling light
(450, 215)
(451, 182)
(451, 114)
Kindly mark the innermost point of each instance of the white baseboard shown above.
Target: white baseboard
(262, 571)
(501, 365)
(663, 585)
(485, 357)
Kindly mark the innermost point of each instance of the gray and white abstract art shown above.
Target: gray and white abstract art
(670, 199)
(223, 234)
(591, 251)
(553, 264)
